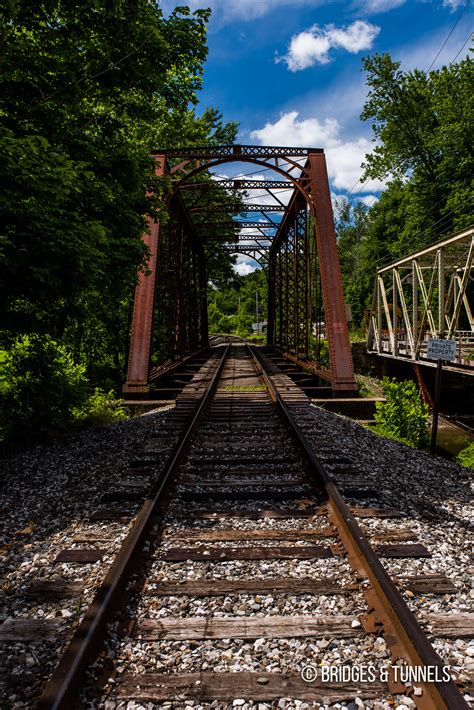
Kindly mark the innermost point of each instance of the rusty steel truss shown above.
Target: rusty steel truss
(294, 241)
(429, 294)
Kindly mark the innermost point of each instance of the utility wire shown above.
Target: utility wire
(427, 241)
(467, 40)
(450, 33)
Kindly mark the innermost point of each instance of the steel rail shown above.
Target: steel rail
(404, 635)
(84, 646)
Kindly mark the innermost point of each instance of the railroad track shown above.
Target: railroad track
(247, 564)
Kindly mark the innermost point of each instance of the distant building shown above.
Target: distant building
(262, 327)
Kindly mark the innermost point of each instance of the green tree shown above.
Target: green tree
(40, 386)
(234, 305)
(86, 89)
(351, 228)
(422, 126)
(422, 123)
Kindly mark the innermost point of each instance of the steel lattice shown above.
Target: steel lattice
(299, 254)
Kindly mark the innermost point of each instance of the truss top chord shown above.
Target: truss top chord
(238, 185)
(455, 240)
(255, 151)
(239, 224)
(238, 209)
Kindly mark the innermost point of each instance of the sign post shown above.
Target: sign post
(439, 349)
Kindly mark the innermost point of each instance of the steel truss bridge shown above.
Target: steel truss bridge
(428, 294)
(294, 241)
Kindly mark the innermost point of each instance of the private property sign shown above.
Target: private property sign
(439, 349)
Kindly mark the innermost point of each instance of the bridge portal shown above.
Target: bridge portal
(293, 240)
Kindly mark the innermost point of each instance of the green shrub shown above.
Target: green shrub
(403, 416)
(101, 408)
(324, 358)
(466, 457)
(40, 385)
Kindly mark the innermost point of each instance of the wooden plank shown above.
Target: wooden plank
(249, 627)
(220, 587)
(110, 514)
(428, 584)
(402, 551)
(147, 463)
(363, 512)
(231, 535)
(277, 514)
(352, 491)
(124, 496)
(221, 473)
(55, 589)
(225, 687)
(256, 460)
(28, 630)
(80, 556)
(255, 481)
(268, 494)
(212, 554)
(86, 536)
(450, 625)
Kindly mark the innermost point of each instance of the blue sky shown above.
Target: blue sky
(290, 71)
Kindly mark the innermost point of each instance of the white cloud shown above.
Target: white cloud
(375, 6)
(243, 269)
(453, 4)
(312, 46)
(368, 200)
(244, 265)
(344, 158)
(345, 165)
(289, 131)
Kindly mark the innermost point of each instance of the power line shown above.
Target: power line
(449, 35)
(427, 241)
(467, 40)
(355, 185)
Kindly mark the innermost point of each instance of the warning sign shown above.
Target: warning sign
(439, 349)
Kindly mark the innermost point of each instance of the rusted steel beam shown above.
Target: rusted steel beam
(271, 303)
(238, 185)
(143, 307)
(238, 209)
(204, 325)
(238, 224)
(331, 278)
(223, 151)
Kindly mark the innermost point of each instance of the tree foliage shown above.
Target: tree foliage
(423, 129)
(86, 90)
(422, 122)
(233, 308)
(39, 389)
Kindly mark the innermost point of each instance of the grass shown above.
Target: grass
(369, 386)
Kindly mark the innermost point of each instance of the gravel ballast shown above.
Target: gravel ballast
(50, 492)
